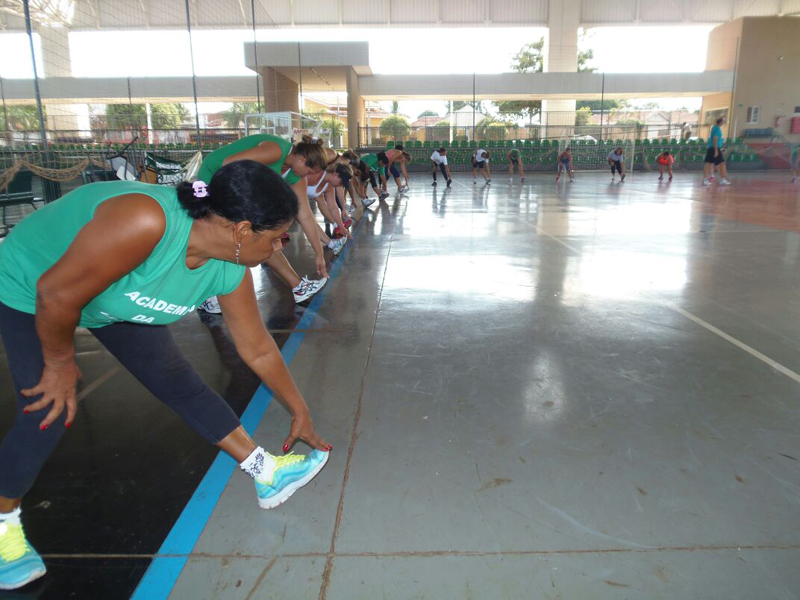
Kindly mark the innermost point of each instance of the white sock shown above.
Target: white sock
(259, 462)
(11, 518)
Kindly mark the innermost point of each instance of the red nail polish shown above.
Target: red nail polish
(24, 411)
(42, 427)
(68, 425)
(285, 447)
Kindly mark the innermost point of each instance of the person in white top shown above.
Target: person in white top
(480, 161)
(322, 188)
(616, 159)
(439, 161)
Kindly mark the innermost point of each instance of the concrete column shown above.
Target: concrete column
(58, 63)
(561, 55)
(280, 93)
(355, 109)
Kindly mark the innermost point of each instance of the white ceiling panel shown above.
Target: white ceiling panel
(512, 12)
(413, 12)
(366, 12)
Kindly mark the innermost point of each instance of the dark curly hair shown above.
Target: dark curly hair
(243, 190)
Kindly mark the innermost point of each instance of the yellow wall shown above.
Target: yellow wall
(763, 78)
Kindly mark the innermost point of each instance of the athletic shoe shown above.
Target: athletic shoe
(474, 182)
(794, 179)
(404, 189)
(711, 178)
(557, 178)
(510, 180)
(211, 306)
(383, 196)
(449, 181)
(338, 245)
(347, 223)
(661, 178)
(19, 562)
(706, 182)
(434, 183)
(292, 471)
(571, 179)
(367, 202)
(724, 182)
(612, 179)
(522, 179)
(488, 181)
(307, 288)
(622, 178)
(670, 178)
(351, 210)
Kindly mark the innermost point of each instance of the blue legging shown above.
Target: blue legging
(148, 351)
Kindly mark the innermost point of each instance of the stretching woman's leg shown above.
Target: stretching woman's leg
(283, 268)
(25, 448)
(151, 355)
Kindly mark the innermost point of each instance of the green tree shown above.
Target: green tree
(427, 113)
(23, 117)
(530, 59)
(491, 128)
(583, 116)
(335, 125)
(456, 105)
(395, 126)
(125, 116)
(234, 116)
(395, 107)
(595, 105)
(168, 116)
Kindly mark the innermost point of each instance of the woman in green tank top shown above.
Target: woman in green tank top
(124, 259)
(514, 157)
(294, 163)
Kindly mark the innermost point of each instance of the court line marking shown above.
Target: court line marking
(165, 569)
(98, 382)
(705, 324)
(750, 350)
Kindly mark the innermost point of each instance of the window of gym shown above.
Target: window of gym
(753, 112)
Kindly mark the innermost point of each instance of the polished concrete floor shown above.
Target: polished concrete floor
(536, 390)
(530, 394)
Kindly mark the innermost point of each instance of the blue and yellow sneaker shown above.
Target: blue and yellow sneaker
(292, 471)
(19, 562)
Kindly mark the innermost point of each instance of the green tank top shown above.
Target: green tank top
(214, 161)
(159, 291)
(515, 154)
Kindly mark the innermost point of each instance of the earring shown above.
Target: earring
(239, 245)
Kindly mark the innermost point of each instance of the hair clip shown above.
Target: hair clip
(200, 189)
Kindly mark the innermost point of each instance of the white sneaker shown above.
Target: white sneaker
(351, 210)
(522, 179)
(510, 180)
(308, 288)
(211, 306)
(706, 182)
(384, 195)
(367, 202)
(794, 179)
(474, 182)
(724, 182)
(337, 245)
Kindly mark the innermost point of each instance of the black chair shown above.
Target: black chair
(15, 199)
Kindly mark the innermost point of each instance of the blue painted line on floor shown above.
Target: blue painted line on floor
(166, 567)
